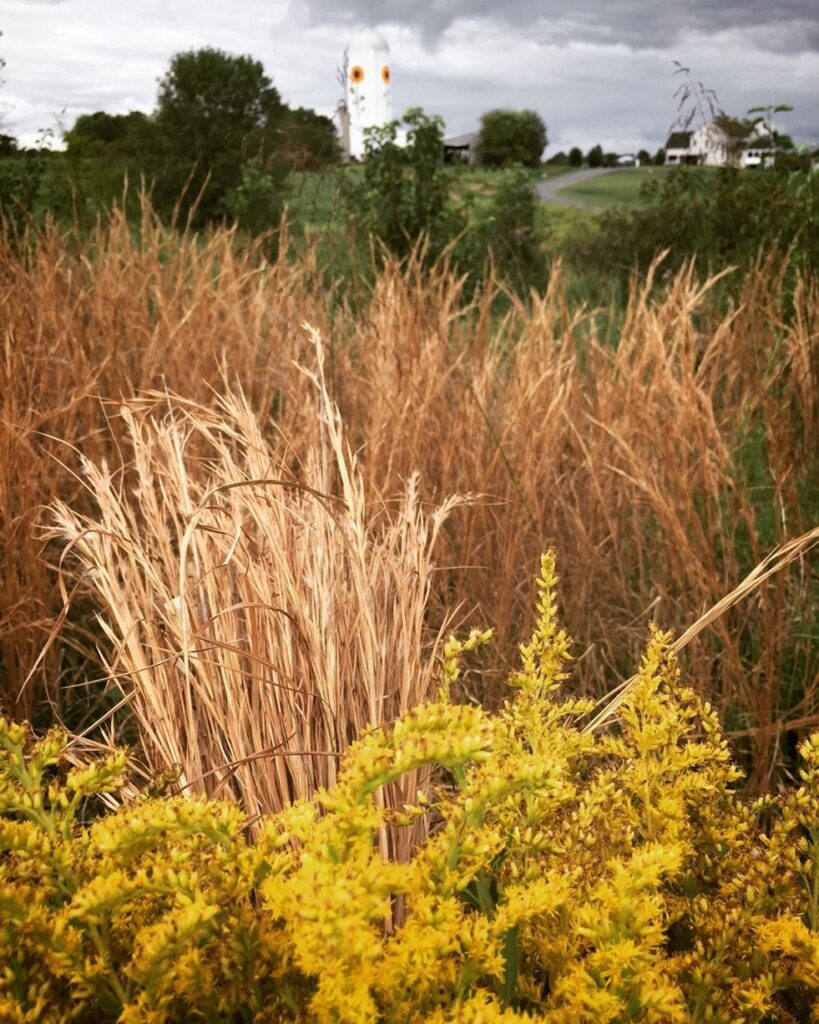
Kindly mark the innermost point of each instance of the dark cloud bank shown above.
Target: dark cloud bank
(638, 24)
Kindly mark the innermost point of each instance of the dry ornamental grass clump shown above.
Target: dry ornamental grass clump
(260, 614)
(568, 874)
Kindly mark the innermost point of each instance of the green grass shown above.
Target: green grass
(618, 188)
(314, 198)
(481, 182)
(558, 224)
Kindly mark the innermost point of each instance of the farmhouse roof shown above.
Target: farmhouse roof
(678, 140)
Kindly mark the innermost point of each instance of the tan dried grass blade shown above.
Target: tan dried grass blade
(780, 558)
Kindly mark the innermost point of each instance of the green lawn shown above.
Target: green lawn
(481, 182)
(619, 188)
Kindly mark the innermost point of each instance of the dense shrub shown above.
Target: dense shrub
(572, 875)
(720, 215)
(403, 196)
(20, 181)
(504, 230)
(256, 204)
(410, 202)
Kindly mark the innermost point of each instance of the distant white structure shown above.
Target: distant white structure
(369, 96)
(461, 148)
(709, 145)
(758, 152)
(712, 146)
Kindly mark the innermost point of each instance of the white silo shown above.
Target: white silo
(369, 97)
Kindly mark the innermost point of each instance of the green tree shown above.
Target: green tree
(763, 122)
(659, 157)
(511, 137)
(576, 156)
(101, 151)
(309, 140)
(644, 157)
(116, 143)
(21, 174)
(93, 134)
(216, 113)
(21, 178)
(594, 157)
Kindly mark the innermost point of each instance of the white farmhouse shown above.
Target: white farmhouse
(712, 146)
(709, 146)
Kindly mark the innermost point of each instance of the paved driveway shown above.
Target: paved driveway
(549, 191)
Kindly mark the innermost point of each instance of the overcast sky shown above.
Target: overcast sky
(596, 70)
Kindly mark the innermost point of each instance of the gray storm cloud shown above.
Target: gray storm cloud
(637, 23)
(596, 71)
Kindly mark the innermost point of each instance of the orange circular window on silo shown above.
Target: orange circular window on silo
(356, 74)
(385, 75)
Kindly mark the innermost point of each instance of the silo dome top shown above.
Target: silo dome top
(369, 39)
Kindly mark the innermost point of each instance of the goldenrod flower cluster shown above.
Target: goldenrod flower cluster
(568, 876)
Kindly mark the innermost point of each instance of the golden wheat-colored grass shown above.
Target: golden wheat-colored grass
(660, 470)
(107, 320)
(260, 614)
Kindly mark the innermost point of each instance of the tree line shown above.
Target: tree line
(598, 157)
(217, 147)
